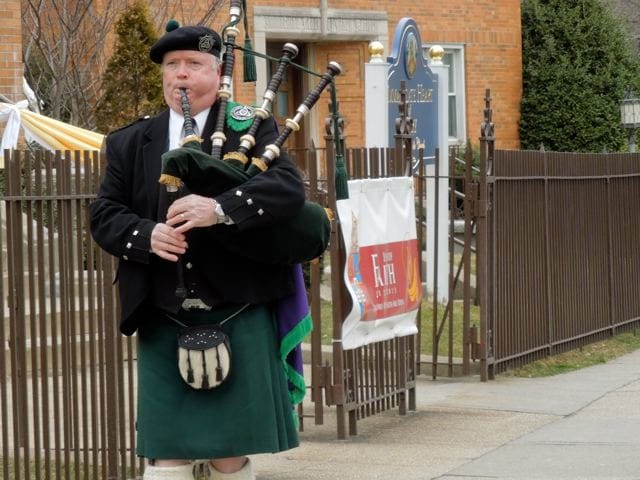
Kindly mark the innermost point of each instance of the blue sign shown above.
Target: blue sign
(421, 84)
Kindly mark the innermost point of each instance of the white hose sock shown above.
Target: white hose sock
(178, 472)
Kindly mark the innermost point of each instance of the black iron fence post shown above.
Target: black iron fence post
(487, 140)
(336, 394)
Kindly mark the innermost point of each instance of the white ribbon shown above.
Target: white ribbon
(11, 113)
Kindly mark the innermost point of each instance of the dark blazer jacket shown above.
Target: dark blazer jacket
(127, 209)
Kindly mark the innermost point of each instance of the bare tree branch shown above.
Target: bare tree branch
(64, 53)
(183, 11)
(66, 44)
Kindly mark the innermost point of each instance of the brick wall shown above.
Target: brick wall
(10, 51)
(490, 32)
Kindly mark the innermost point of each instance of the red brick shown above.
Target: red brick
(490, 31)
(11, 50)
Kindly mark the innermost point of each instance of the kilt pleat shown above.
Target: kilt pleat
(249, 413)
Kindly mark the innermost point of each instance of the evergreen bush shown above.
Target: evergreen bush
(577, 65)
(132, 83)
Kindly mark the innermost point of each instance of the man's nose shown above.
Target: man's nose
(182, 70)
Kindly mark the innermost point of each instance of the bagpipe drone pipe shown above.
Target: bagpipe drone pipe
(298, 239)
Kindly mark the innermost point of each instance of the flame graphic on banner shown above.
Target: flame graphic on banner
(414, 281)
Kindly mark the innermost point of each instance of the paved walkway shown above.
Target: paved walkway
(580, 425)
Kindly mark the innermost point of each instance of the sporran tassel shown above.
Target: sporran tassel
(190, 369)
(205, 377)
(218, 367)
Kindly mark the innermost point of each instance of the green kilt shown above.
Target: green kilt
(249, 413)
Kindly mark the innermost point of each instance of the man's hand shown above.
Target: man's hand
(191, 211)
(167, 242)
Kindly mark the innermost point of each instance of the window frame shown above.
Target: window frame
(457, 50)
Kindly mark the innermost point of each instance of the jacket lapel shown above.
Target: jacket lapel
(155, 144)
(209, 128)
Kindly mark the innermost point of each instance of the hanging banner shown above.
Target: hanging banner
(382, 270)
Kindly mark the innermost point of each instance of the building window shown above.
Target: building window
(454, 58)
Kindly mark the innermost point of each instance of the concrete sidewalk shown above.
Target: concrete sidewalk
(579, 425)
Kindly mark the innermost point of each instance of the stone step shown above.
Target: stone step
(43, 284)
(426, 361)
(49, 345)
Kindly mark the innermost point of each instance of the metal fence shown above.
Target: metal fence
(565, 257)
(67, 395)
(558, 263)
(559, 257)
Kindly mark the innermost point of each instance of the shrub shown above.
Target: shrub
(577, 64)
(132, 83)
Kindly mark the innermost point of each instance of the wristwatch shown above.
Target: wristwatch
(221, 217)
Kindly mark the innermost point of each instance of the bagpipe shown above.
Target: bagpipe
(298, 239)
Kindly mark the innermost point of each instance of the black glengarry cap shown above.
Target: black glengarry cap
(190, 37)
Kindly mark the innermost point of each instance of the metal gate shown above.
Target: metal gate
(377, 377)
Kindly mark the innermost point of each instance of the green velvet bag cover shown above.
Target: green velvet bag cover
(299, 239)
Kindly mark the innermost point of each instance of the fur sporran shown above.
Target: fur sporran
(204, 353)
(204, 356)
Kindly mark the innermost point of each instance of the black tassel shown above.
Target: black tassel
(249, 63)
(248, 60)
(189, 370)
(218, 367)
(205, 377)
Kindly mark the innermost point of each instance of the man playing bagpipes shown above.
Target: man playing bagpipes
(198, 259)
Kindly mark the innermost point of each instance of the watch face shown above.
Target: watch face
(220, 216)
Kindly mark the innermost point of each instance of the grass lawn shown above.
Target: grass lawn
(592, 354)
(65, 472)
(426, 326)
(595, 353)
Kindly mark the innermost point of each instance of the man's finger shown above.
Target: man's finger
(167, 256)
(185, 227)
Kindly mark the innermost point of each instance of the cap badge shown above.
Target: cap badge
(206, 43)
(242, 112)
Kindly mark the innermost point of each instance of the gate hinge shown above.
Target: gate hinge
(323, 375)
(335, 395)
(482, 208)
(472, 339)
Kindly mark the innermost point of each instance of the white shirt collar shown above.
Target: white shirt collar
(176, 121)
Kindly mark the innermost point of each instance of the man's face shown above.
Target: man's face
(198, 72)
